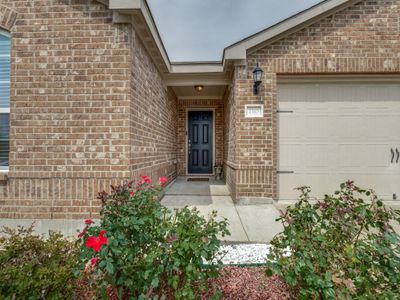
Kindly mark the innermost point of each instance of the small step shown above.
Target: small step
(194, 179)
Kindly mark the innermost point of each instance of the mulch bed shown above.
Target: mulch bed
(251, 283)
(235, 283)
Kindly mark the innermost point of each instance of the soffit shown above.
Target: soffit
(209, 92)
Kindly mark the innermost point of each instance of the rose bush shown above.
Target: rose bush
(141, 249)
(343, 247)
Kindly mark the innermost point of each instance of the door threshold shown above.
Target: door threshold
(194, 179)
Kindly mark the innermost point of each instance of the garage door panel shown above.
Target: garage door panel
(290, 182)
(288, 130)
(351, 127)
(382, 127)
(361, 157)
(316, 157)
(322, 183)
(316, 127)
(349, 157)
(339, 92)
(377, 157)
(293, 153)
(339, 132)
(383, 184)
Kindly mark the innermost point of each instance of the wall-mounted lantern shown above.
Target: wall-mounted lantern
(257, 77)
(199, 87)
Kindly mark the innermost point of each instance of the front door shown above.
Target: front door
(200, 146)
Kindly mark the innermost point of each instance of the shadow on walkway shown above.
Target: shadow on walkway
(247, 223)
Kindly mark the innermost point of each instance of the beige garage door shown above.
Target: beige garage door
(332, 132)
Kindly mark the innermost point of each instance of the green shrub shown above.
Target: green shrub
(33, 267)
(192, 239)
(141, 249)
(343, 247)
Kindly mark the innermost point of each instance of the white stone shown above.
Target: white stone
(244, 254)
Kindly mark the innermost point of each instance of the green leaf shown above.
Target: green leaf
(155, 282)
(110, 268)
(269, 272)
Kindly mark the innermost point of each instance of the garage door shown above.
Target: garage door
(333, 132)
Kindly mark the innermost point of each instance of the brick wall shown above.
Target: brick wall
(247, 166)
(154, 119)
(183, 107)
(363, 38)
(230, 136)
(75, 108)
(88, 106)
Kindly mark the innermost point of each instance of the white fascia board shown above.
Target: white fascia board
(125, 4)
(154, 32)
(197, 68)
(239, 50)
(123, 7)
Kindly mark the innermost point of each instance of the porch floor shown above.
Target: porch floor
(247, 223)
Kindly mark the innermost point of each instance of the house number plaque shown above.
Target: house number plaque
(254, 111)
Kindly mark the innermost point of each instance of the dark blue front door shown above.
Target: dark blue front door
(200, 145)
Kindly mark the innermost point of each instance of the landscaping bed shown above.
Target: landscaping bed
(341, 247)
(234, 283)
(251, 283)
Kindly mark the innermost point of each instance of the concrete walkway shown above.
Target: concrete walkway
(247, 223)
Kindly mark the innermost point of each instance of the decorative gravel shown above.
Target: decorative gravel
(245, 254)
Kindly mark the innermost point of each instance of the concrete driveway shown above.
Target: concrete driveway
(247, 223)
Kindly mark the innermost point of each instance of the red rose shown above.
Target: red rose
(82, 233)
(145, 179)
(94, 260)
(132, 194)
(88, 222)
(163, 181)
(96, 242)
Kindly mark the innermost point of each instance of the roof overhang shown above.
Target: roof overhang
(137, 12)
(239, 50)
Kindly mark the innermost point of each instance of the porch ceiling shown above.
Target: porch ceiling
(209, 92)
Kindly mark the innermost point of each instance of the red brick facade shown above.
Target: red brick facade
(362, 39)
(153, 119)
(89, 107)
(247, 157)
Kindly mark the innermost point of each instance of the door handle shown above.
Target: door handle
(392, 151)
(398, 156)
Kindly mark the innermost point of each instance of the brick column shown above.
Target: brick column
(252, 168)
